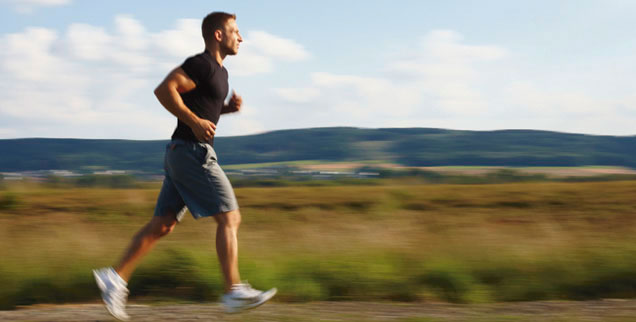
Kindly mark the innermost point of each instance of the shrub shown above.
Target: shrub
(9, 201)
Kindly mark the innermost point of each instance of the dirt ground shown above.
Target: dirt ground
(602, 310)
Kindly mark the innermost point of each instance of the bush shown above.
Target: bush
(177, 274)
(9, 201)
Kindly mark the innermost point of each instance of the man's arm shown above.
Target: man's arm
(168, 95)
(234, 105)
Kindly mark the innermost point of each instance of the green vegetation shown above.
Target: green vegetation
(286, 178)
(417, 176)
(409, 147)
(390, 241)
(101, 181)
(287, 164)
(81, 155)
(9, 201)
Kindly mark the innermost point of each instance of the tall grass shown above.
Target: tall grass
(456, 243)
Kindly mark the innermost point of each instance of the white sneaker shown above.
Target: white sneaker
(243, 297)
(114, 292)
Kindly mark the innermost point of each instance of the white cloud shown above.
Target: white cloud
(28, 6)
(277, 47)
(248, 63)
(44, 3)
(182, 41)
(92, 81)
(29, 56)
(260, 50)
(439, 76)
(88, 42)
(355, 97)
(8, 132)
(445, 82)
(447, 71)
(441, 55)
(445, 45)
(89, 81)
(298, 95)
(528, 98)
(132, 33)
(240, 124)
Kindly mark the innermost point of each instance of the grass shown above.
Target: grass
(454, 243)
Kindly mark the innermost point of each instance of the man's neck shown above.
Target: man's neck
(215, 52)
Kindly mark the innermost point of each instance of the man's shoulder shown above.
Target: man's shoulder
(203, 59)
(200, 58)
(199, 67)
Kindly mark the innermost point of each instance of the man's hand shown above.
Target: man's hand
(203, 129)
(168, 94)
(234, 105)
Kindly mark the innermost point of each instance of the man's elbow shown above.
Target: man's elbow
(158, 90)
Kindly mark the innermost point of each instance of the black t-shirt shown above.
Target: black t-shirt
(207, 99)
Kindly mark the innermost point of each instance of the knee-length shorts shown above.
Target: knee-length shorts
(194, 179)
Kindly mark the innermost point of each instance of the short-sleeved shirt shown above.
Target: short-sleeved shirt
(207, 99)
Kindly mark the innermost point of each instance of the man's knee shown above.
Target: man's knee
(231, 218)
(163, 225)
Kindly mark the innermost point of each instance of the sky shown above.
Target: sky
(87, 69)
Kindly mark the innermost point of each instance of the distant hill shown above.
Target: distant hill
(407, 146)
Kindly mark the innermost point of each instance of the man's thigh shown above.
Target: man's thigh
(169, 203)
(199, 180)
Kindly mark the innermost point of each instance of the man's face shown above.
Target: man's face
(231, 38)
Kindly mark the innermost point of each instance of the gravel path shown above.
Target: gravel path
(605, 310)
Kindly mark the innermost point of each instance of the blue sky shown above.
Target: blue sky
(87, 69)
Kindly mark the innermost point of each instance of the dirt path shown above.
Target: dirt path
(606, 310)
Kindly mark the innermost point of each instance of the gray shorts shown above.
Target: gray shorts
(194, 179)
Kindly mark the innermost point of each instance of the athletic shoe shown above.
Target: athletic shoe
(114, 292)
(243, 297)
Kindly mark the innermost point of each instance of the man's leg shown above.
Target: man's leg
(227, 246)
(113, 283)
(145, 239)
(238, 296)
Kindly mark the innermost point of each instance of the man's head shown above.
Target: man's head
(219, 28)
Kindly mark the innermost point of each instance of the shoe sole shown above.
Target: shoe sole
(102, 287)
(267, 295)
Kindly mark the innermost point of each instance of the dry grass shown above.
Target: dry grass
(516, 231)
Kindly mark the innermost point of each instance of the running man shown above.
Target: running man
(195, 93)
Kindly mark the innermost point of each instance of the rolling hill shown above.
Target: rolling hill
(406, 146)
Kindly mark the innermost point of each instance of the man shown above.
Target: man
(195, 93)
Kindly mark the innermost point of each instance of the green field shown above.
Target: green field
(391, 241)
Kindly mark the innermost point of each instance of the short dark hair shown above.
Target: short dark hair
(213, 21)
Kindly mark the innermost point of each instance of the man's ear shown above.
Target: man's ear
(218, 35)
